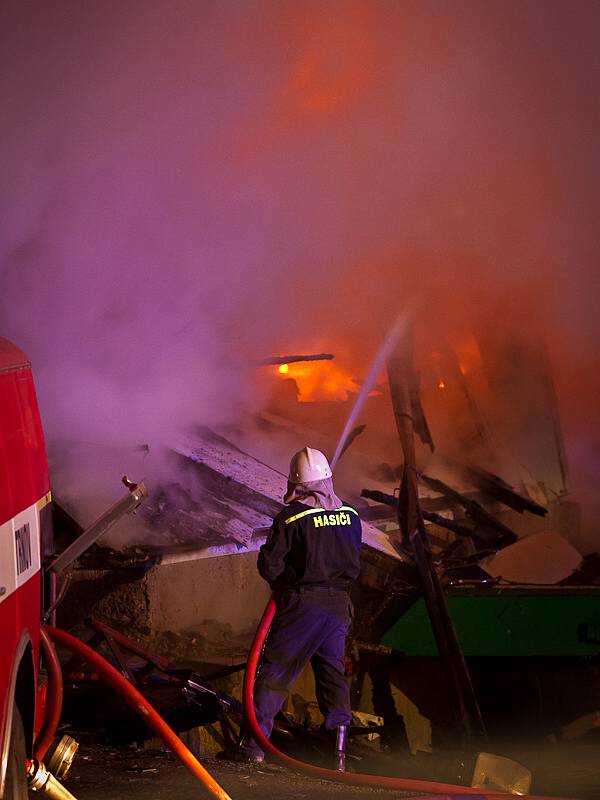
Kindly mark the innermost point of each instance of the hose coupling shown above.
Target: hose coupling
(41, 780)
(340, 748)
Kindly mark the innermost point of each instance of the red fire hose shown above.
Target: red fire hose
(54, 697)
(446, 789)
(438, 791)
(141, 705)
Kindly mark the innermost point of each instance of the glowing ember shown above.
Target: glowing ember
(283, 369)
(441, 385)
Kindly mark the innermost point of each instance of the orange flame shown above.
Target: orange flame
(319, 380)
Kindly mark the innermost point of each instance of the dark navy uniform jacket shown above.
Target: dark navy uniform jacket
(309, 547)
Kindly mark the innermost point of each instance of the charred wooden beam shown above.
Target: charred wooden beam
(419, 418)
(442, 504)
(429, 516)
(457, 374)
(404, 390)
(487, 525)
(495, 487)
(275, 360)
(410, 519)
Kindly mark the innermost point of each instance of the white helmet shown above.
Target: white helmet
(309, 465)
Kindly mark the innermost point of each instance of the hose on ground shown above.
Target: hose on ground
(446, 790)
(139, 704)
(54, 697)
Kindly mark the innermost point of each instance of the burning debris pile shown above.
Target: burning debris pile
(496, 551)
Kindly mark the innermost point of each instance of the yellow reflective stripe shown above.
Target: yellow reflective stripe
(303, 514)
(348, 508)
(47, 498)
(319, 511)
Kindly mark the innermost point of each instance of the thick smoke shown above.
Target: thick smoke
(190, 186)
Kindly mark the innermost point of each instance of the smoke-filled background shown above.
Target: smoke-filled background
(188, 187)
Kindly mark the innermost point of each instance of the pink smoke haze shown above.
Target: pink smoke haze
(191, 186)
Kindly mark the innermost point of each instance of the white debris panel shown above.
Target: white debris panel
(247, 494)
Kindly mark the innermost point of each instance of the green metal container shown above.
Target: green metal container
(562, 621)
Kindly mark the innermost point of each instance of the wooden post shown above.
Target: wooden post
(464, 701)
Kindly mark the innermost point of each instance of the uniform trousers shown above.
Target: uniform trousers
(310, 625)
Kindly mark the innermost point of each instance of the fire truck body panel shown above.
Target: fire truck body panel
(24, 499)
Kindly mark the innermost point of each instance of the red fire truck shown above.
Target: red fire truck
(25, 538)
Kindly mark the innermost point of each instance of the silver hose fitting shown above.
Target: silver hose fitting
(40, 780)
(340, 748)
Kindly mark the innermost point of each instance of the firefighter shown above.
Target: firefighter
(310, 558)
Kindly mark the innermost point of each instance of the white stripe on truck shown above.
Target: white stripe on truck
(19, 550)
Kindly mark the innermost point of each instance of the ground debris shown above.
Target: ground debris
(100, 772)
